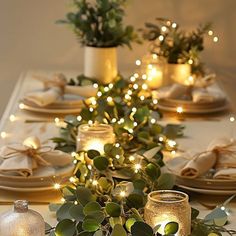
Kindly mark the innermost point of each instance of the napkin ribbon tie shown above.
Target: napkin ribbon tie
(30, 152)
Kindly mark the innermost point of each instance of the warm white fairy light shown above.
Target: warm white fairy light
(127, 97)
(117, 157)
(138, 62)
(210, 32)
(137, 167)
(174, 25)
(232, 119)
(122, 193)
(117, 145)
(136, 75)
(94, 102)
(142, 98)
(95, 85)
(113, 120)
(79, 118)
(95, 182)
(154, 56)
(144, 76)
(135, 86)
(129, 92)
(173, 152)
(99, 93)
(215, 39)
(144, 87)
(89, 167)
(75, 162)
(155, 101)
(76, 202)
(179, 109)
(122, 120)
(131, 158)
(57, 186)
(134, 109)
(163, 28)
(171, 143)
(190, 61)
(109, 99)
(90, 122)
(91, 109)
(73, 154)
(110, 86)
(3, 134)
(57, 120)
(132, 79)
(12, 118)
(150, 66)
(153, 121)
(21, 106)
(161, 139)
(168, 23)
(161, 37)
(63, 200)
(72, 179)
(106, 89)
(135, 124)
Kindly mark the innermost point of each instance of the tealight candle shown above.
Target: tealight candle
(154, 76)
(167, 206)
(94, 136)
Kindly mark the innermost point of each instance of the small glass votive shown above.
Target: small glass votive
(94, 137)
(167, 206)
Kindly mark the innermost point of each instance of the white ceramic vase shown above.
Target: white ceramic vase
(100, 63)
(177, 73)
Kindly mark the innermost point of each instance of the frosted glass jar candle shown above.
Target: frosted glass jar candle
(94, 136)
(165, 206)
(21, 221)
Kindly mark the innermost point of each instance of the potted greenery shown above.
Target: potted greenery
(99, 27)
(180, 48)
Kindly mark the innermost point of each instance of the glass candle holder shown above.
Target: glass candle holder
(22, 221)
(167, 206)
(94, 136)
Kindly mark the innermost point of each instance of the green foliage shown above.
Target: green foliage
(100, 23)
(177, 45)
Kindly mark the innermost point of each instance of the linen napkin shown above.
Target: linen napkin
(23, 159)
(209, 94)
(220, 155)
(55, 88)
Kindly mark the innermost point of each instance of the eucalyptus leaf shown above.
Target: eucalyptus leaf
(101, 163)
(65, 227)
(91, 207)
(63, 212)
(171, 228)
(113, 209)
(135, 200)
(141, 229)
(90, 225)
(153, 171)
(129, 223)
(118, 230)
(166, 181)
(76, 212)
(93, 153)
(84, 195)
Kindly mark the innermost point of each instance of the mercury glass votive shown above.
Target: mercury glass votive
(166, 206)
(21, 221)
(94, 136)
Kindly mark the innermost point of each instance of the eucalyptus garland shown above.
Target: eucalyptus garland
(108, 191)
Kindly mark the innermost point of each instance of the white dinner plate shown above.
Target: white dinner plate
(208, 191)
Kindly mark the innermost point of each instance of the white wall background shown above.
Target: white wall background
(29, 38)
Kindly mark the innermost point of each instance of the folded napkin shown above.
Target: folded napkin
(209, 94)
(55, 88)
(178, 91)
(173, 91)
(23, 159)
(220, 155)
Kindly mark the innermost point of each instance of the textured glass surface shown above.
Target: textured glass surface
(21, 221)
(165, 206)
(94, 137)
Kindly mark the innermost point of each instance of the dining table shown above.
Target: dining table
(17, 124)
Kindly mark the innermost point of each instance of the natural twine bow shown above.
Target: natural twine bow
(58, 80)
(219, 150)
(34, 153)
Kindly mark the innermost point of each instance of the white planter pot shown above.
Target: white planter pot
(100, 63)
(178, 73)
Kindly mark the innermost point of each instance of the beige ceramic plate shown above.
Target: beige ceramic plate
(36, 181)
(208, 191)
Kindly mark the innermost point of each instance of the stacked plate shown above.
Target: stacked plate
(37, 182)
(70, 104)
(191, 107)
(207, 186)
